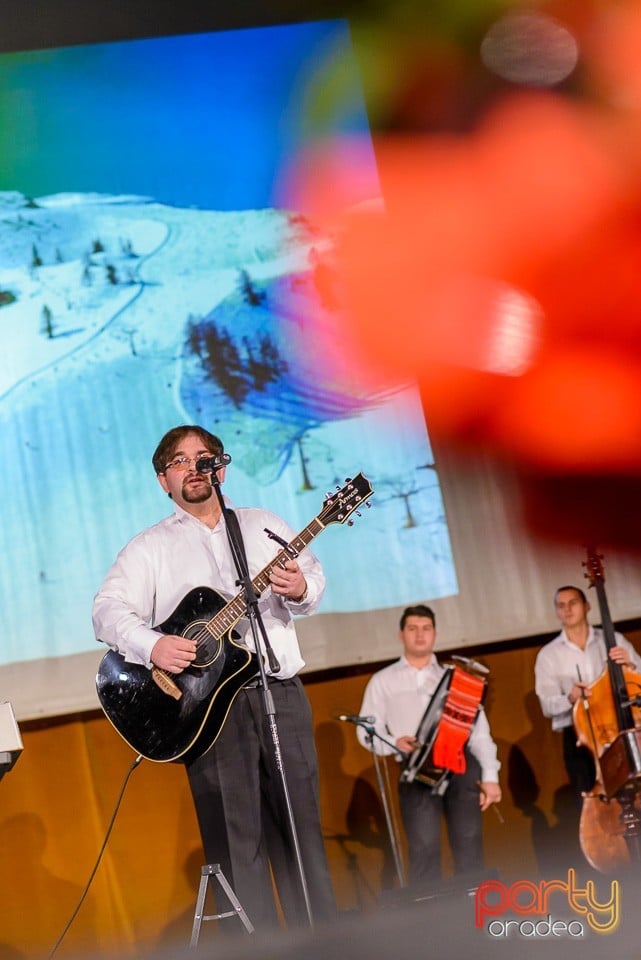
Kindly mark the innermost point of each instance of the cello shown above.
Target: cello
(609, 724)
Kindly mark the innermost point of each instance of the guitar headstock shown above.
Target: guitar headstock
(338, 506)
(594, 567)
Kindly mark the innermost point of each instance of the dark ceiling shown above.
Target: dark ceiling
(29, 24)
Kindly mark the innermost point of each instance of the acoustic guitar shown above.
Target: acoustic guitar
(178, 717)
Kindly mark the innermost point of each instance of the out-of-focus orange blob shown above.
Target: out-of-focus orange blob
(577, 410)
(532, 208)
(501, 271)
(613, 54)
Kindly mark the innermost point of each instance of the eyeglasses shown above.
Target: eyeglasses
(183, 463)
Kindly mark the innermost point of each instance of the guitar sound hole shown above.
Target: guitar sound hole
(208, 647)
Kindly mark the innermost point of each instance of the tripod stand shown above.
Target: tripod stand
(213, 871)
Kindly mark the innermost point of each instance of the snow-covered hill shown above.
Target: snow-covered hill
(76, 264)
(95, 366)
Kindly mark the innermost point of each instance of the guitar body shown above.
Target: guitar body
(156, 724)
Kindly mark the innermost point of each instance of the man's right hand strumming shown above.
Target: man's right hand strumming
(173, 653)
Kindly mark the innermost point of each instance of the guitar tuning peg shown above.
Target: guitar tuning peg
(350, 523)
(368, 504)
(348, 479)
(358, 513)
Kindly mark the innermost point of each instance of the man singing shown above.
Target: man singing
(236, 785)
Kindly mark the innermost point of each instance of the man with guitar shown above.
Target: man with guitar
(235, 783)
(396, 697)
(564, 669)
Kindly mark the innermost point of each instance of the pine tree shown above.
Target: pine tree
(248, 291)
(47, 327)
(6, 297)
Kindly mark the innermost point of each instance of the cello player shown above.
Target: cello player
(557, 684)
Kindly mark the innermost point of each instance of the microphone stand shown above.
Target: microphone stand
(392, 828)
(261, 640)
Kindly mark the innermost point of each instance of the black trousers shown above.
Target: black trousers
(238, 797)
(579, 764)
(422, 814)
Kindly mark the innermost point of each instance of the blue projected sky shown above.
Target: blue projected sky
(183, 119)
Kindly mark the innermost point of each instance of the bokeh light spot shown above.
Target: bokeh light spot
(530, 49)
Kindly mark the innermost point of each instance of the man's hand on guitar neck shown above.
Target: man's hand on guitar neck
(288, 581)
(173, 653)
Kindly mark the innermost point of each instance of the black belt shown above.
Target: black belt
(252, 684)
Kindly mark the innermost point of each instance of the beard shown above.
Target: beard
(197, 494)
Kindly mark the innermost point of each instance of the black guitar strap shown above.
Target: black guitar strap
(237, 547)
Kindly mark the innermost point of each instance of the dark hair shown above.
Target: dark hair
(569, 586)
(168, 445)
(420, 610)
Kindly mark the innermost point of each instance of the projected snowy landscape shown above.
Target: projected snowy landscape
(122, 315)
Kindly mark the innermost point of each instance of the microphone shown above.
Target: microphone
(351, 718)
(211, 464)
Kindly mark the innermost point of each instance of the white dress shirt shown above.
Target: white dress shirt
(555, 671)
(397, 697)
(155, 570)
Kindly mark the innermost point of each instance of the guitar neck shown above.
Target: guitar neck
(234, 610)
(337, 508)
